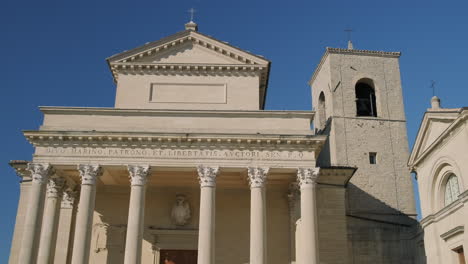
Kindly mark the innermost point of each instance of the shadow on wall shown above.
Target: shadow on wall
(384, 234)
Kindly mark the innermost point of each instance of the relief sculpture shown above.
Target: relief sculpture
(180, 213)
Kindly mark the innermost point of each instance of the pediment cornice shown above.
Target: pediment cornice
(456, 117)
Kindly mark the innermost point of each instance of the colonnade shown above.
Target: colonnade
(35, 249)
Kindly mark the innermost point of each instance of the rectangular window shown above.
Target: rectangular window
(373, 157)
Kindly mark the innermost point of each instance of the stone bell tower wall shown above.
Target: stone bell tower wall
(380, 199)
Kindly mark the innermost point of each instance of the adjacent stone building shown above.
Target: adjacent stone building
(439, 158)
(188, 167)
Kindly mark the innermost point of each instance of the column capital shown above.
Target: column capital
(89, 173)
(138, 174)
(69, 198)
(39, 172)
(207, 175)
(307, 176)
(257, 176)
(55, 187)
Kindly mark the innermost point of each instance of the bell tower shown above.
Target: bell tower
(358, 98)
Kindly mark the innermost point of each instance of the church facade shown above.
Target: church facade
(439, 159)
(188, 167)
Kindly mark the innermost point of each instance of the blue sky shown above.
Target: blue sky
(54, 51)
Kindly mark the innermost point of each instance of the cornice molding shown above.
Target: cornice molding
(453, 232)
(329, 50)
(184, 37)
(185, 113)
(378, 53)
(447, 210)
(415, 156)
(129, 139)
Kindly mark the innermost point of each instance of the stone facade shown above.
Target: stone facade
(189, 163)
(439, 159)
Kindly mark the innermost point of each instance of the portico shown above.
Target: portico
(108, 178)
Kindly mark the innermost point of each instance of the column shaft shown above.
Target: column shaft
(206, 228)
(50, 221)
(136, 214)
(258, 242)
(30, 238)
(84, 217)
(308, 224)
(65, 228)
(257, 226)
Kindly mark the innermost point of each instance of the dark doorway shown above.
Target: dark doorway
(178, 257)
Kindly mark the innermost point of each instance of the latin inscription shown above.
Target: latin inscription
(170, 153)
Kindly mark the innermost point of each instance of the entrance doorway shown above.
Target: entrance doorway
(178, 256)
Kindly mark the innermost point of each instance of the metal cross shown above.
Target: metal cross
(192, 12)
(433, 87)
(349, 31)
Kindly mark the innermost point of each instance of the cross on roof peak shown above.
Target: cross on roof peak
(192, 13)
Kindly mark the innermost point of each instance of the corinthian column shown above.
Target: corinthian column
(258, 246)
(206, 228)
(84, 217)
(136, 213)
(308, 238)
(50, 220)
(30, 238)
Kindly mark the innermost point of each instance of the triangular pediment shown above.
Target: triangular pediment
(188, 47)
(188, 53)
(434, 124)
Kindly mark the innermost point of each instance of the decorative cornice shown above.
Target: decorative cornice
(21, 168)
(257, 176)
(447, 210)
(307, 176)
(453, 232)
(180, 140)
(329, 50)
(364, 52)
(40, 172)
(207, 175)
(193, 67)
(185, 37)
(415, 156)
(55, 187)
(138, 174)
(174, 112)
(89, 173)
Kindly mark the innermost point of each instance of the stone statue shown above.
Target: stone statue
(181, 214)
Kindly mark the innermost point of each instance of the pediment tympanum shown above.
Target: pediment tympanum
(433, 126)
(189, 47)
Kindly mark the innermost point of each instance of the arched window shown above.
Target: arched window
(365, 98)
(322, 112)
(452, 189)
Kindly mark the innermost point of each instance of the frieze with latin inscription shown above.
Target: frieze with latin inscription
(174, 153)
